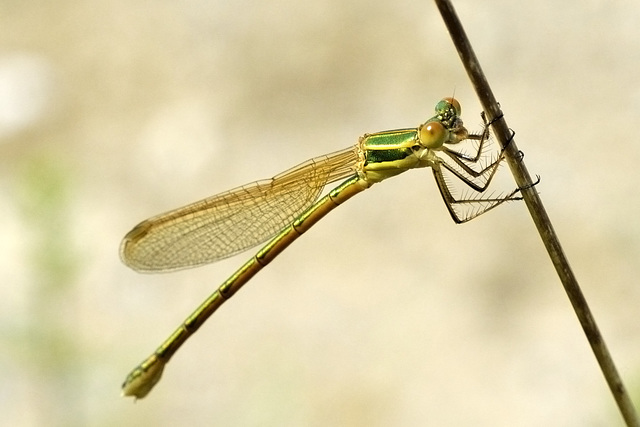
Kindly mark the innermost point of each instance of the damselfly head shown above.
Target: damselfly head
(448, 112)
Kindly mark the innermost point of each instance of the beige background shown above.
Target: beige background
(386, 313)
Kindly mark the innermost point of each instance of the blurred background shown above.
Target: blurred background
(384, 314)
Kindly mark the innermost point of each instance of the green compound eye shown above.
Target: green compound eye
(445, 104)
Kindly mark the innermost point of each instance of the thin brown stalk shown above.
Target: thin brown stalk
(538, 213)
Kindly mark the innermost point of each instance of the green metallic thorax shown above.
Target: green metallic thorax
(388, 153)
(388, 146)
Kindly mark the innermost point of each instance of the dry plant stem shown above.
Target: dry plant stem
(538, 213)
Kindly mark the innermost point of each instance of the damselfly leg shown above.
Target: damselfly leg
(476, 172)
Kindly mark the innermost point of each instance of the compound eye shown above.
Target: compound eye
(433, 135)
(446, 104)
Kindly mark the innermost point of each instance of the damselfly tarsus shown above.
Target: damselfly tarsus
(284, 207)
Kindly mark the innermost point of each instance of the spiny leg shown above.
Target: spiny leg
(459, 207)
(470, 179)
(466, 168)
(478, 180)
(482, 137)
(465, 161)
(474, 158)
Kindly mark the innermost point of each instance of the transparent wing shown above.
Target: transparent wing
(233, 221)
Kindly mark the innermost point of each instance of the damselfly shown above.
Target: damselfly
(284, 207)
